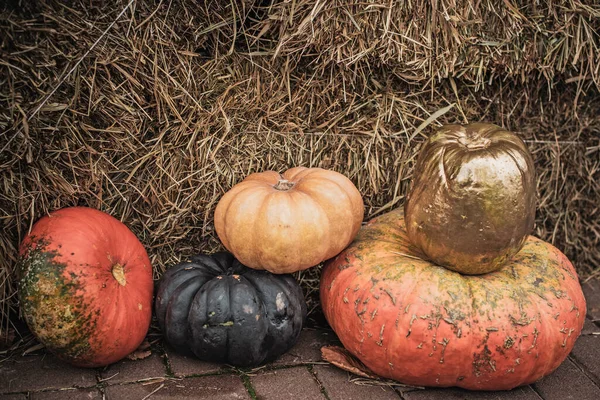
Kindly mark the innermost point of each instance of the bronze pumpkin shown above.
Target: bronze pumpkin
(472, 201)
(290, 222)
(410, 320)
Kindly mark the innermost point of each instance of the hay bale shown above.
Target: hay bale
(152, 130)
(431, 40)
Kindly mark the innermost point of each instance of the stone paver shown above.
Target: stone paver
(587, 354)
(41, 376)
(131, 371)
(186, 366)
(338, 387)
(591, 290)
(80, 394)
(590, 328)
(567, 382)
(217, 387)
(288, 383)
(33, 373)
(13, 397)
(308, 348)
(520, 393)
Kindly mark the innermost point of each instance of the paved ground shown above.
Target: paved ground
(299, 374)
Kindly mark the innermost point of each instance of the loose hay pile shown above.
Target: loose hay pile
(178, 101)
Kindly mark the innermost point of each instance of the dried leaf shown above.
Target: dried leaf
(139, 355)
(342, 358)
(143, 351)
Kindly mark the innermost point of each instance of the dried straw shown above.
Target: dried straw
(177, 103)
(424, 41)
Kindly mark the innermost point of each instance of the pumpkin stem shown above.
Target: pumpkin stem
(474, 142)
(283, 185)
(118, 272)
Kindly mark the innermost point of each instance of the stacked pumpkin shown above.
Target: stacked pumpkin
(249, 310)
(453, 291)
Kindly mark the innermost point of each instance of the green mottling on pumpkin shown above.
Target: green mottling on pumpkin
(50, 305)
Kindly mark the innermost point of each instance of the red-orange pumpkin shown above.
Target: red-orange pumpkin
(410, 320)
(85, 286)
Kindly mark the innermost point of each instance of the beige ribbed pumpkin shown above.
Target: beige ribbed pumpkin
(289, 222)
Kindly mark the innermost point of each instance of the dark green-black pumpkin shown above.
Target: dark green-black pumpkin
(222, 311)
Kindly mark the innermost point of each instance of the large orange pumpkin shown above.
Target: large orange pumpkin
(289, 222)
(410, 320)
(85, 286)
(472, 201)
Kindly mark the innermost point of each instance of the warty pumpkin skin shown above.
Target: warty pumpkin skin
(221, 311)
(472, 201)
(290, 222)
(85, 286)
(410, 320)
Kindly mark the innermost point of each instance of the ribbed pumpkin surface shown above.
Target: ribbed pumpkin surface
(290, 222)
